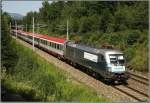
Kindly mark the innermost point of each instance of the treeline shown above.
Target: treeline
(87, 16)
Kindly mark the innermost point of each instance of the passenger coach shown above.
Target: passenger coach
(51, 44)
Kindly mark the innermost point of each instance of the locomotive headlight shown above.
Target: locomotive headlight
(112, 64)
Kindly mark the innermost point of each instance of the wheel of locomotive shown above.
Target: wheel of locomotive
(94, 74)
(124, 82)
(89, 71)
(74, 64)
(107, 81)
(58, 57)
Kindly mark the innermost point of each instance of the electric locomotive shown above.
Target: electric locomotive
(109, 63)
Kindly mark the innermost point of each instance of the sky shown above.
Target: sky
(21, 7)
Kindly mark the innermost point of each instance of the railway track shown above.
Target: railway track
(138, 78)
(135, 94)
(121, 92)
(137, 87)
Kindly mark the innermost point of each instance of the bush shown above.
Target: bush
(133, 37)
(140, 60)
(129, 53)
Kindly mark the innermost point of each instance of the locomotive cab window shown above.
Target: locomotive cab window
(121, 60)
(113, 59)
(117, 59)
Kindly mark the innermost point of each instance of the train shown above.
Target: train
(108, 63)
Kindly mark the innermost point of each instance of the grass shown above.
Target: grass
(36, 79)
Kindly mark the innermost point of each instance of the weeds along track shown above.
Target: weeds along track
(115, 93)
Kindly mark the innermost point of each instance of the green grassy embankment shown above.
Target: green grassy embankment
(35, 79)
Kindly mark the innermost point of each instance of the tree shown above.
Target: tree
(8, 56)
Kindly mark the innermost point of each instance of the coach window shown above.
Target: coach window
(55, 45)
(38, 39)
(45, 42)
(58, 47)
(50, 44)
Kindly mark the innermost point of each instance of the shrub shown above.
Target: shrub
(140, 60)
(133, 37)
(129, 53)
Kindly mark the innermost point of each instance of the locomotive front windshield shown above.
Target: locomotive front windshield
(116, 59)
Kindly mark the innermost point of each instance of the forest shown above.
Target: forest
(123, 24)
